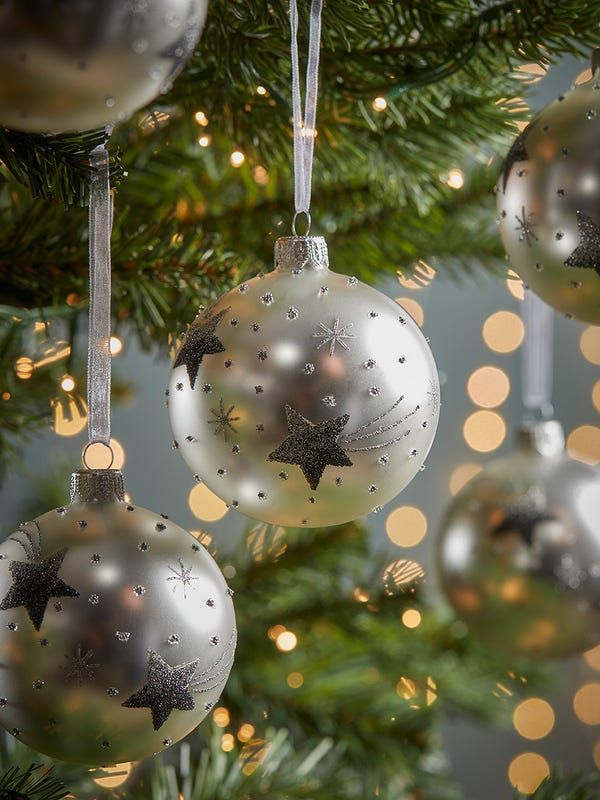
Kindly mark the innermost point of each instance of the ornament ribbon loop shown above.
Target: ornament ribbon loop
(98, 367)
(304, 127)
(537, 358)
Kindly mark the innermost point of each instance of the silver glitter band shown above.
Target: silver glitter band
(301, 252)
(97, 486)
(546, 438)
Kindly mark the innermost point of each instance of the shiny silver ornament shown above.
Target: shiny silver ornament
(304, 397)
(519, 551)
(548, 198)
(117, 630)
(81, 65)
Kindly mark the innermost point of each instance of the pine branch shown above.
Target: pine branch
(561, 786)
(53, 166)
(33, 783)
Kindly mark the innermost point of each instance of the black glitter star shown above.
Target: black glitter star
(516, 153)
(311, 446)
(34, 583)
(166, 689)
(587, 252)
(523, 521)
(200, 341)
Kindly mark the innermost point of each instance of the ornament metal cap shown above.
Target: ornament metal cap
(97, 486)
(546, 438)
(301, 252)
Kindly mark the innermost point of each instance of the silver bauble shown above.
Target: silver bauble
(549, 203)
(304, 397)
(73, 66)
(519, 551)
(117, 630)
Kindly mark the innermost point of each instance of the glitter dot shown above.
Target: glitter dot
(214, 640)
(139, 590)
(308, 369)
(16, 732)
(284, 476)
(233, 322)
(372, 489)
(167, 742)
(112, 691)
(130, 508)
(312, 500)
(243, 287)
(143, 547)
(175, 445)
(384, 459)
(261, 495)
(260, 427)
(402, 360)
(210, 602)
(339, 481)
(235, 449)
(106, 743)
(173, 639)
(323, 290)
(82, 524)
(3, 701)
(12, 626)
(94, 599)
(62, 510)
(352, 281)
(370, 363)
(258, 389)
(96, 558)
(292, 313)
(255, 327)
(44, 642)
(374, 391)
(262, 355)
(160, 526)
(373, 314)
(221, 472)
(207, 388)
(329, 400)
(38, 684)
(123, 636)
(179, 386)
(590, 113)
(228, 362)
(190, 438)
(267, 298)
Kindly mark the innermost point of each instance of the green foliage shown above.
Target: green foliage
(559, 786)
(32, 783)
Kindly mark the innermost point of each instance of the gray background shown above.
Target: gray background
(454, 315)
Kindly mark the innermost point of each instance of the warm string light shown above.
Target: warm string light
(236, 159)
(286, 641)
(67, 383)
(379, 104)
(455, 178)
(204, 141)
(406, 526)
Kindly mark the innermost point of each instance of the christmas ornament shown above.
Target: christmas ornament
(117, 629)
(519, 550)
(548, 201)
(304, 397)
(76, 66)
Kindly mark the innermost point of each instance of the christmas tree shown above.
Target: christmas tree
(334, 694)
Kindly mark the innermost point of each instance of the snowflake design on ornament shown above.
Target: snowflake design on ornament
(182, 577)
(334, 336)
(80, 667)
(223, 420)
(526, 227)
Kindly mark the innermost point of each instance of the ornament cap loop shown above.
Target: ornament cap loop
(97, 486)
(546, 438)
(301, 252)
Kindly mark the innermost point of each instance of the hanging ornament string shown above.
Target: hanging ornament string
(304, 127)
(98, 367)
(537, 358)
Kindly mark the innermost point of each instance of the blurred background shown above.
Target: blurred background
(476, 333)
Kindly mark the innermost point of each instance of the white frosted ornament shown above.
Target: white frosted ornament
(548, 197)
(117, 629)
(304, 397)
(73, 66)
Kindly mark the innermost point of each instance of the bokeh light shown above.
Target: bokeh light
(221, 717)
(246, 732)
(589, 344)
(67, 383)
(237, 158)
(586, 704)
(411, 618)
(592, 658)
(205, 505)
(379, 104)
(533, 718)
(406, 526)
(488, 387)
(514, 284)
(114, 776)
(24, 368)
(116, 345)
(286, 641)
(70, 416)
(461, 475)
(503, 331)
(97, 455)
(401, 576)
(596, 396)
(596, 754)
(527, 771)
(227, 742)
(455, 179)
(484, 431)
(583, 444)
(420, 276)
(295, 680)
(413, 308)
